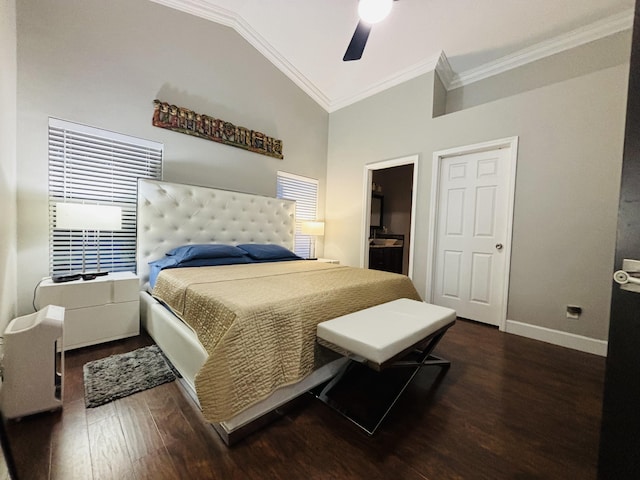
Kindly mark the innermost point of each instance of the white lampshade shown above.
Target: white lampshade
(83, 216)
(373, 11)
(312, 228)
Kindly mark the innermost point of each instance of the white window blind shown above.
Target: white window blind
(304, 191)
(89, 165)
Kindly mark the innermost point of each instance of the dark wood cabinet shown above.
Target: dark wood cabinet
(388, 259)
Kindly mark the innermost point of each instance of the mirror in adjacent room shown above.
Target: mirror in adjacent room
(376, 210)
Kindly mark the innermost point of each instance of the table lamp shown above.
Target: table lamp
(88, 217)
(313, 229)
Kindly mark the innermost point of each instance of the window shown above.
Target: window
(304, 191)
(98, 167)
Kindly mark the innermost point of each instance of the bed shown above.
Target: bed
(243, 335)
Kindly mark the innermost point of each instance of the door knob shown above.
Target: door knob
(623, 278)
(628, 276)
(498, 246)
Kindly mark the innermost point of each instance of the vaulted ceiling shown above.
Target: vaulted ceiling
(465, 40)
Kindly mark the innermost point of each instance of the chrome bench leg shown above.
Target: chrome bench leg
(425, 358)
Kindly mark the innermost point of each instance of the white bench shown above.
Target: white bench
(400, 333)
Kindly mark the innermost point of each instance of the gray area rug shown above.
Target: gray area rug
(121, 375)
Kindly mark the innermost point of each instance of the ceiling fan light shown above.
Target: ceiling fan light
(373, 11)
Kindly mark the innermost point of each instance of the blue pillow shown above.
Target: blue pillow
(207, 250)
(212, 262)
(171, 262)
(157, 265)
(264, 251)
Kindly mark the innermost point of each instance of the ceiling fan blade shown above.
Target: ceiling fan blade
(358, 41)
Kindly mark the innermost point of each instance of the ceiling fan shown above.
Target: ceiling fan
(370, 12)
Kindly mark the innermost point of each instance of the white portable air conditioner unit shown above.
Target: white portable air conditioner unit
(33, 363)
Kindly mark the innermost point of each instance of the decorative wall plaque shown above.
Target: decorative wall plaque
(187, 121)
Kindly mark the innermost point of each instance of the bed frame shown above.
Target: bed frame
(170, 215)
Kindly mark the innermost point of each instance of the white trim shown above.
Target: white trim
(575, 38)
(512, 144)
(444, 71)
(366, 217)
(208, 11)
(588, 33)
(428, 65)
(557, 337)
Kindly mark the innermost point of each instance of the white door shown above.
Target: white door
(472, 233)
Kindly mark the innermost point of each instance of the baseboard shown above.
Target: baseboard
(557, 337)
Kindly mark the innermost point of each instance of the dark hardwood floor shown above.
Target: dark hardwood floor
(508, 408)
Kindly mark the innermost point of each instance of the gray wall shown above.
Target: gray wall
(103, 63)
(570, 149)
(8, 235)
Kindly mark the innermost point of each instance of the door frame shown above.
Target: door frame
(512, 144)
(366, 217)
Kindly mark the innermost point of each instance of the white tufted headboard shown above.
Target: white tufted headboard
(172, 214)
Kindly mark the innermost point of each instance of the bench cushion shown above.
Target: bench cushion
(381, 332)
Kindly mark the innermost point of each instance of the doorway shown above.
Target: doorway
(389, 220)
(470, 230)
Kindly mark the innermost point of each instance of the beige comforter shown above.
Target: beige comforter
(258, 321)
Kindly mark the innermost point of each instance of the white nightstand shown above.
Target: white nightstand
(106, 308)
(328, 260)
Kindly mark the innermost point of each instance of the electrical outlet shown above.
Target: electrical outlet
(573, 312)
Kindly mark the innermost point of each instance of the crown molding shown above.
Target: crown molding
(444, 70)
(575, 38)
(230, 19)
(595, 31)
(397, 78)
